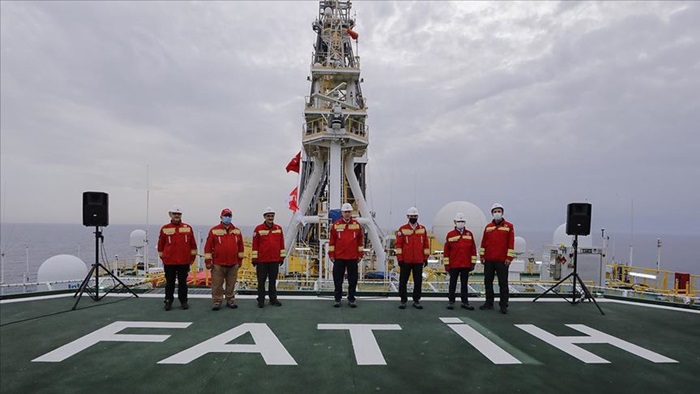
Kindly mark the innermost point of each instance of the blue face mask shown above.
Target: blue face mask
(226, 219)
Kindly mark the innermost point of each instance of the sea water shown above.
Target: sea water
(26, 246)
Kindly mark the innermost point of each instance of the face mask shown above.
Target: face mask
(226, 219)
(460, 225)
(497, 215)
(413, 220)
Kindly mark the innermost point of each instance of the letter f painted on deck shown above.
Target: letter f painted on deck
(109, 334)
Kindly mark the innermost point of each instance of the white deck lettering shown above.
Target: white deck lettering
(109, 334)
(567, 344)
(484, 345)
(266, 343)
(364, 343)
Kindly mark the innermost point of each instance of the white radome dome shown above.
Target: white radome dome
(61, 267)
(561, 237)
(444, 220)
(520, 245)
(137, 239)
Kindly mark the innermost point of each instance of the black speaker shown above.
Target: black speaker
(578, 218)
(95, 209)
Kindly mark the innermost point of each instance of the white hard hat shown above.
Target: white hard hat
(413, 211)
(346, 207)
(175, 209)
(459, 217)
(497, 205)
(268, 210)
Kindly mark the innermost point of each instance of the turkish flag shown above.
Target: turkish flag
(294, 163)
(293, 195)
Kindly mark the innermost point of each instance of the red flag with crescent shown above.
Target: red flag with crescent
(293, 195)
(294, 163)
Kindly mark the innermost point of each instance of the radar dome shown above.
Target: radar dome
(444, 220)
(61, 267)
(520, 245)
(561, 237)
(137, 239)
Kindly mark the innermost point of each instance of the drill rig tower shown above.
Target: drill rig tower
(335, 140)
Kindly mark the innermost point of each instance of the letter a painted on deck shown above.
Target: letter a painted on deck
(266, 343)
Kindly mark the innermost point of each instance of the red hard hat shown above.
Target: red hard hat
(226, 211)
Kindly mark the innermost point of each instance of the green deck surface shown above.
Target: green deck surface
(424, 356)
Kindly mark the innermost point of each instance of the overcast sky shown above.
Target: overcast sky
(533, 105)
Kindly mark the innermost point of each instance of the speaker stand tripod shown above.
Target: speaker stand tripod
(576, 278)
(96, 269)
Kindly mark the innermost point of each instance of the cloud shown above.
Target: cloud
(533, 105)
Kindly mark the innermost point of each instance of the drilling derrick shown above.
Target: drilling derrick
(335, 139)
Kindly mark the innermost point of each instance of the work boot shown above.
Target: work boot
(486, 307)
(232, 305)
(504, 310)
(184, 305)
(275, 303)
(451, 305)
(402, 305)
(168, 305)
(216, 306)
(467, 307)
(417, 305)
(337, 304)
(261, 304)
(352, 304)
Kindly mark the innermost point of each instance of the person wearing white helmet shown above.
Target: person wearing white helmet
(345, 248)
(268, 255)
(412, 251)
(497, 251)
(459, 260)
(177, 248)
(223, 255)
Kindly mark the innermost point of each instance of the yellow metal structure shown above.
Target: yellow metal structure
(651, 280)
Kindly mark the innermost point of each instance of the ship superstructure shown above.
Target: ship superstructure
(335, 140)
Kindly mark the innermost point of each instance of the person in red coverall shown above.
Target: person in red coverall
(177, 249)
(497, 251)
(223, 255)
(459, 259)
(412, 251)
(345, 249)
(268, 255)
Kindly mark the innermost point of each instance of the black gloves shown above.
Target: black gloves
(425, 263)
(281, 262)
(255, 264)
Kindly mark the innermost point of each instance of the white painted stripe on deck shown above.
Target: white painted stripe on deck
(489, 349)
(451, 320)
(367, 351)
(567, 344)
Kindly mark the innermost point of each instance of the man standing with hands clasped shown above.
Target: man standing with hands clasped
(345, 249)
(459, 260)
(223, 255)
(412, 251)
(497, 251)
(268, 256)
(177, 249)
